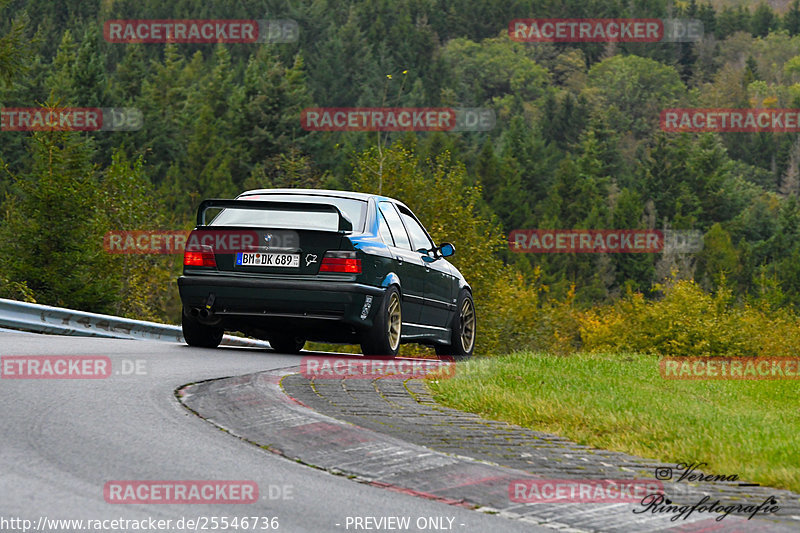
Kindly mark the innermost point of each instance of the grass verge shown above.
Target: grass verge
(620, 402)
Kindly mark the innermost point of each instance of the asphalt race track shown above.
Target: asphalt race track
(62, 440)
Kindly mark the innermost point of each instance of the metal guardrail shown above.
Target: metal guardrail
(59, 321)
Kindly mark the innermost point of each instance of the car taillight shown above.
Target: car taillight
(202, 258)
(340, 262)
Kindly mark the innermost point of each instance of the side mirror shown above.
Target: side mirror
(446, 249)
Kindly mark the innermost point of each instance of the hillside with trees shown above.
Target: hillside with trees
(577, 144)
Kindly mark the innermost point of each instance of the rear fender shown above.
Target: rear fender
(391, 279)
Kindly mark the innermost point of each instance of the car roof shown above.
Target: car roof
(322, 192)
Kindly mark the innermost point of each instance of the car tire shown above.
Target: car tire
(383, 339)
(462, 336)
(200, 335)
(287, 343)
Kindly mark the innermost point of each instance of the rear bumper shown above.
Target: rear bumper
(278, 284)
(319, 309)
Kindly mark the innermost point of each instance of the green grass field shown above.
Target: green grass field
(620, 402)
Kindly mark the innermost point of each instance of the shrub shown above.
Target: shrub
(688, 321)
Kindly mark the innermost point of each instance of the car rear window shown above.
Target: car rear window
(351, 208)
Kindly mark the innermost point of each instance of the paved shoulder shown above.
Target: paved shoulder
(391, 433)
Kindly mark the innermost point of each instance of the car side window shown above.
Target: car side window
(383, 230)
(419, 239)
(395, 225)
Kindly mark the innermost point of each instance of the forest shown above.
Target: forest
(577, 144)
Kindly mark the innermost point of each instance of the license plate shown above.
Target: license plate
(272, 260)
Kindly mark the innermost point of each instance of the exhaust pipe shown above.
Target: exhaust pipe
(208, 317)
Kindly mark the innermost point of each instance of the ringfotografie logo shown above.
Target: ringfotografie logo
(660, 503)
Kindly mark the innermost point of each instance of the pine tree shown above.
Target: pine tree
(50, 237)
(634, 271)
(89, 85)
(708, 17)
(791, 20)
(663, 169)
(345, 69)
(718, 260)
(487, 170)
(14, 47)
(790, 184)
(60, 81)
(143, 283)
(274, 97)
(163, 103)
(130, 74)
(762, 21)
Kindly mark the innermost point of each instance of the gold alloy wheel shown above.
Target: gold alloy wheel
(394, 321)
(467, 320)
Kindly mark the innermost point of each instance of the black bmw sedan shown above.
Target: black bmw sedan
(293, 265)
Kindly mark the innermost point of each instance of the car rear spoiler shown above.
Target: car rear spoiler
(345, 224)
